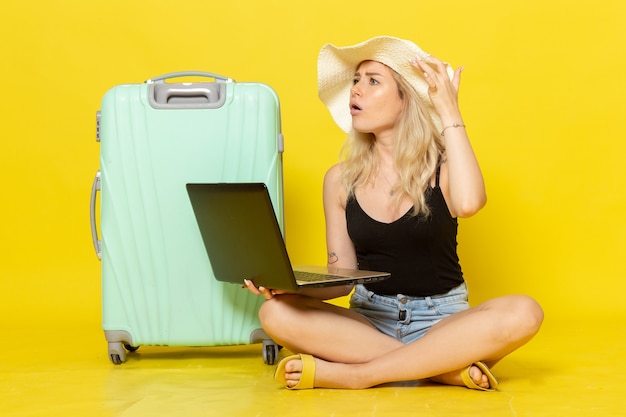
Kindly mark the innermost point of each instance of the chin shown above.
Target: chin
(360, 129)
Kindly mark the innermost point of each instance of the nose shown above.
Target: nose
(355, 90)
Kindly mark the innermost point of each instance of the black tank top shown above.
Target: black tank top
(418, 251)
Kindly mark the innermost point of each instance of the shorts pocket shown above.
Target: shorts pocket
(451, 307)
(357, 300)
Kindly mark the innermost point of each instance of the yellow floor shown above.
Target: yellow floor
(570, 369)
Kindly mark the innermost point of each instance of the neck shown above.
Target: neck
(384, 153)
(387, 174)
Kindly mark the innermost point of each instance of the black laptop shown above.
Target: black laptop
(243, 240)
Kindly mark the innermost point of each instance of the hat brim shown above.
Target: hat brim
(336, 67)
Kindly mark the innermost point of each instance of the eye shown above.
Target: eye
(374, 81)
(355, 81)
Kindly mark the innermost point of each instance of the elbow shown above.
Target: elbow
(344, 290)
(338, 291)
(470, 207)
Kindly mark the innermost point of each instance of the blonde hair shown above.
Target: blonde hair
(418, 151)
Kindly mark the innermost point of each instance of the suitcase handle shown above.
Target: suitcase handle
(186, 95)
(164, 95)
(162, 78)
(97, 243)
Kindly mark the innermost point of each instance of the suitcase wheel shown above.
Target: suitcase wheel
(270, 351)
(131, 348)
(116, 359)
(117, 351)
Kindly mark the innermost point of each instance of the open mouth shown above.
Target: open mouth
(354, 108)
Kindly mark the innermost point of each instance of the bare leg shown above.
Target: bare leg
(336, 334)
(521, 309)
(487, 332)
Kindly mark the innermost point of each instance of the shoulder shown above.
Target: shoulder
(333, 175)
(334, 190)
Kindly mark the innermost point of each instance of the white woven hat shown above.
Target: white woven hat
(336, 67)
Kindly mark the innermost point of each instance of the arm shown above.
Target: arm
(461, 179)
(340, 249)
(341, 252)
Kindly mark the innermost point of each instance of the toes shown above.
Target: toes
(293, 366)
(293, 372)
(484, 382)
(478, 377)
(293, 376)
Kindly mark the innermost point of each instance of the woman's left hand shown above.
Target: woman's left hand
(442, 90)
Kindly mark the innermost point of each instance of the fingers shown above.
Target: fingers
(443, 87)
(265, 292)
(250, 286)
(432, 70)
(430, 66)
(435, 70)
(456, 80)
(432, 84)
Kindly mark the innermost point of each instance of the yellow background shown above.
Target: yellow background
(542, 95)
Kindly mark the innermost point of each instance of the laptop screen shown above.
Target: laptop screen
(241, 234)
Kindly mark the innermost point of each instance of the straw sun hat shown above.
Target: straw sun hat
(336, 67)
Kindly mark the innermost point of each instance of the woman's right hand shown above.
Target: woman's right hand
(319, 293)
(267, 293)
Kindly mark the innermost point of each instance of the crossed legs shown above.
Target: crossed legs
(351, 353)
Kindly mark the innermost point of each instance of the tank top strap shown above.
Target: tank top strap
(438, 172)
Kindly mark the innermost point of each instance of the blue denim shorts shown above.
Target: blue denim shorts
(407, 318)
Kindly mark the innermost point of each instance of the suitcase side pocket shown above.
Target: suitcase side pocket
(97, 243)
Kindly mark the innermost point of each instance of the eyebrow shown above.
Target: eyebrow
(369, 74)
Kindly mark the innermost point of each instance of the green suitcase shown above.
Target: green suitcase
(155, 137)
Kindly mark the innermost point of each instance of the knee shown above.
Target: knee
(275, 313)
(525, 316)
(267, 313)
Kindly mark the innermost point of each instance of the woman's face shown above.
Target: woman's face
(375, 103)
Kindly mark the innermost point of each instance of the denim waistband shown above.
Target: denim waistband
(456, 294)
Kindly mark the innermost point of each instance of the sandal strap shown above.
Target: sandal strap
(307, 380)
(469, 382)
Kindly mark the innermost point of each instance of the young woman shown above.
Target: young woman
(392, 205)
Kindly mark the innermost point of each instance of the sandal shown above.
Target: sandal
(307, 379)
(469, 382)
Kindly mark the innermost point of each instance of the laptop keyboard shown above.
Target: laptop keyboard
(313, 277)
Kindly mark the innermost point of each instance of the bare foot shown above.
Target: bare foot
(454, 378)
(325, 374)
